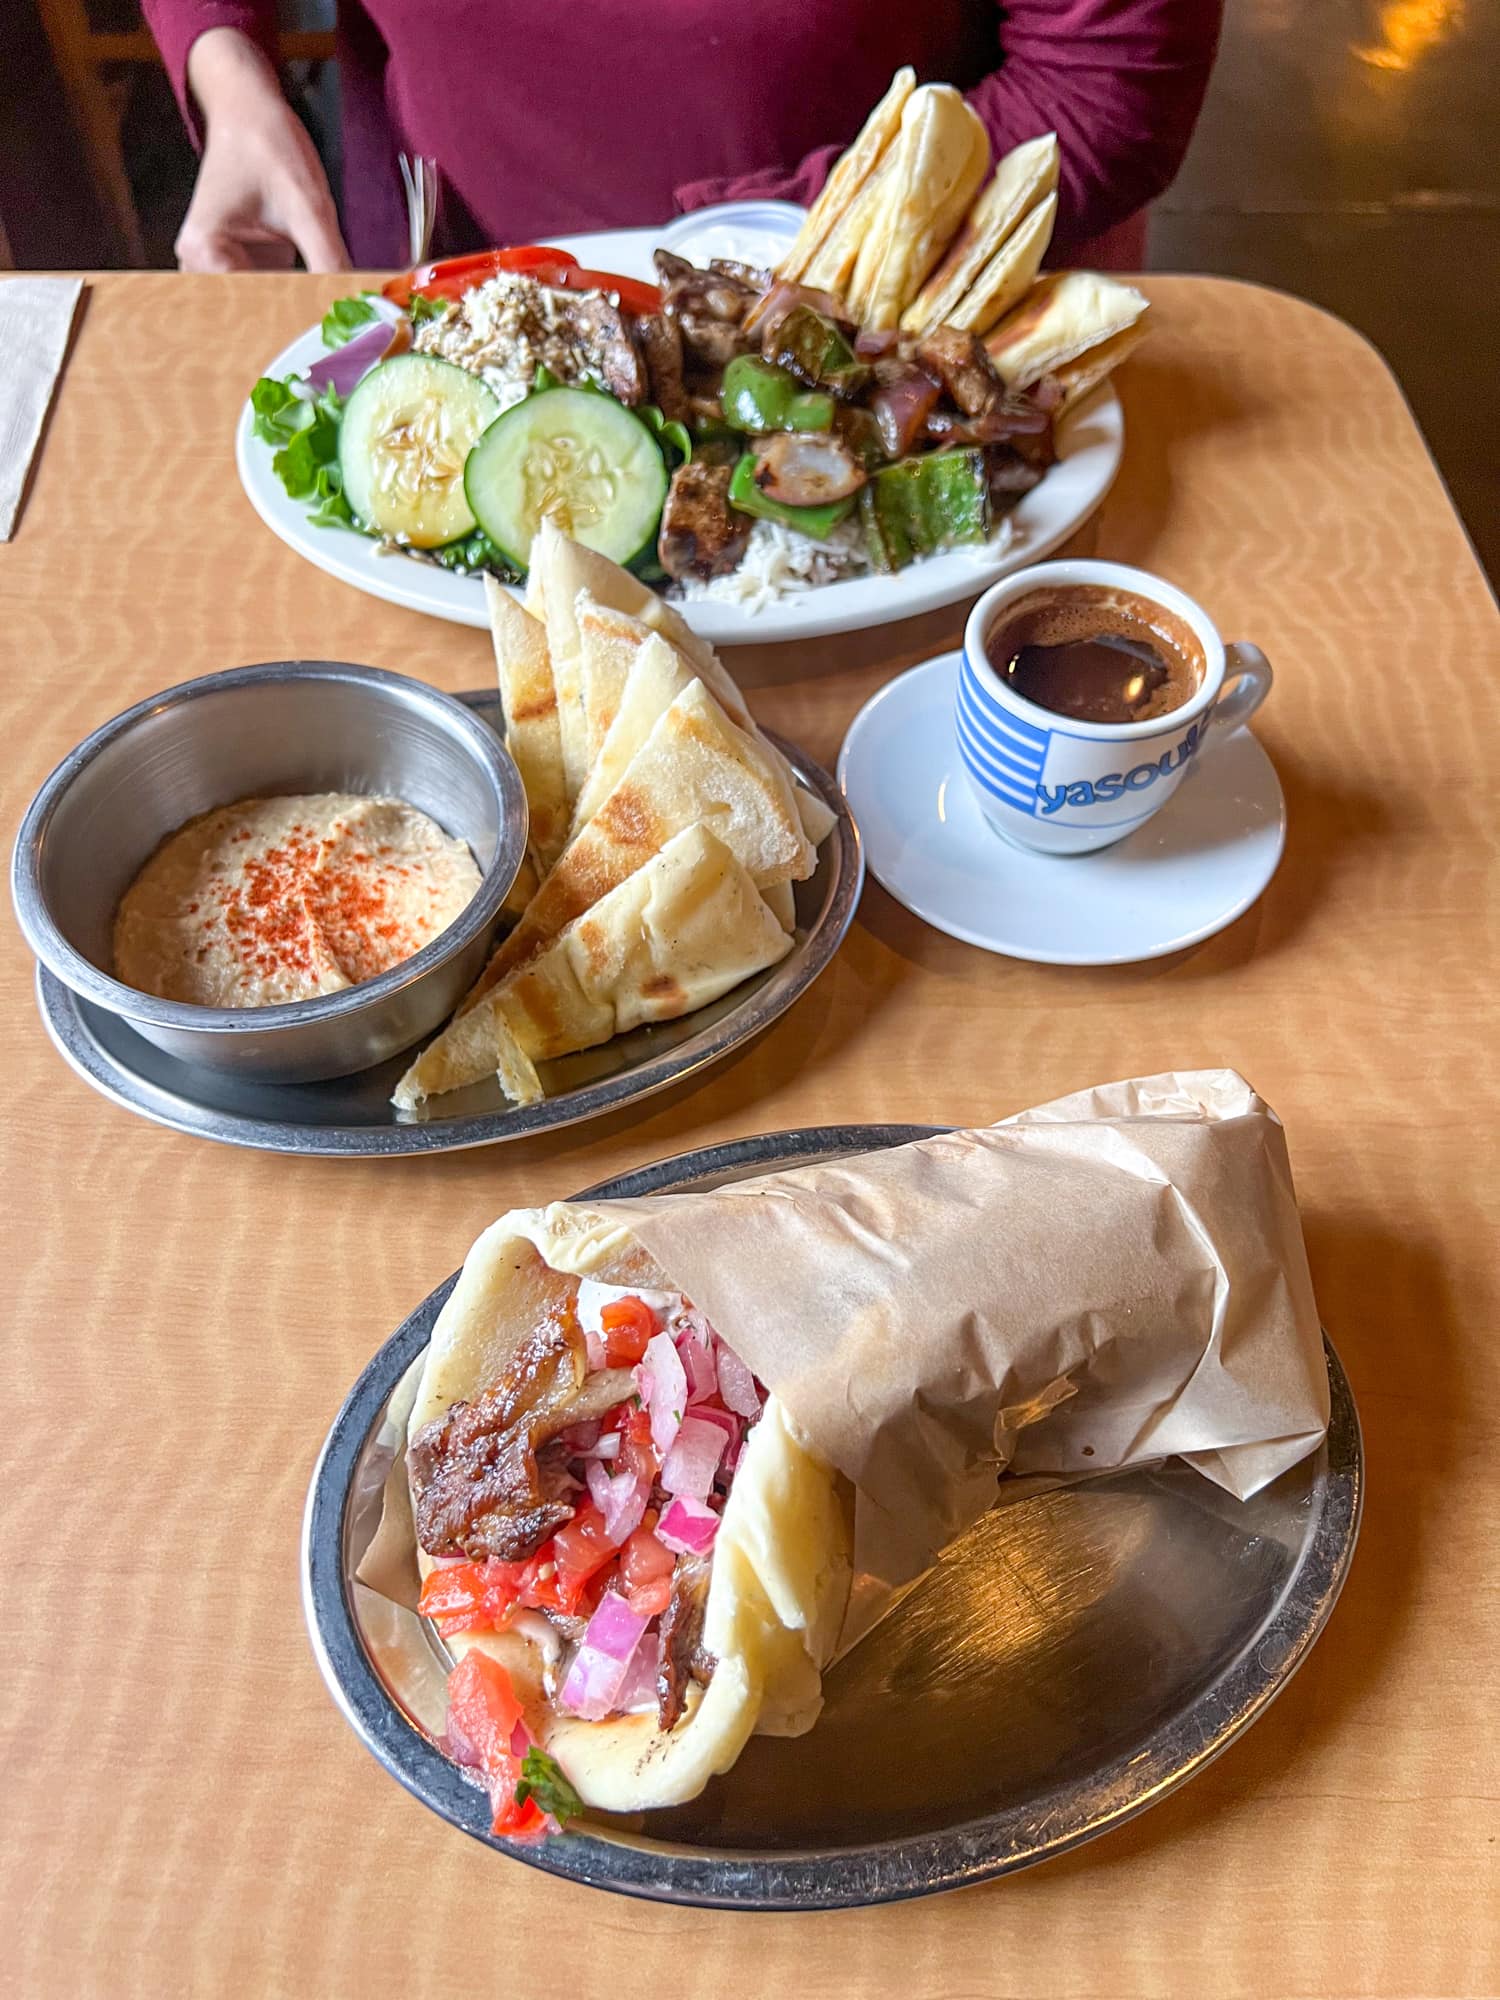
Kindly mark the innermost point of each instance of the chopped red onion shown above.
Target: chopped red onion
(349, 364)
(597, 1357)
(621, 1500)
(730, 1425)
(520, 1740)
(602, 1662)
(638, 1689)
(687, 1527)
(694, 1458)
(698, 1364)
(737, 1384)
(662, 1382)
(606, 1446)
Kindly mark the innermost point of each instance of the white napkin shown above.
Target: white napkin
(36, 315)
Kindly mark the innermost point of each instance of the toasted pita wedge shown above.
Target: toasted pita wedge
(529, 699)
(695, 767)
(942, 155)
(658, 673)
(553, 598)
(684, 928)
(562, 570)
(1009, 274)
(1022, 180)
(1083, 375)
(1063, 317)
(848, 175)
(608, 643)
(781, 901)
(832, 269)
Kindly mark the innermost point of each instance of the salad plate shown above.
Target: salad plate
(353, 1116)
(1079, 1654)
(1090, 442)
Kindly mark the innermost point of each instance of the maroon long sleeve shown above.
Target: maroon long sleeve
(550, 118)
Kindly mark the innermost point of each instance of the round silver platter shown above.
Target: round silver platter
(1072, 1660)
(353, 1115)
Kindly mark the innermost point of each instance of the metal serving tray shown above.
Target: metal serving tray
(353, 1116)
(1072, 1660)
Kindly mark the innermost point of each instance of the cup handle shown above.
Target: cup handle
(1250, 667)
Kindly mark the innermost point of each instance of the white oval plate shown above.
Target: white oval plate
(1090, 442)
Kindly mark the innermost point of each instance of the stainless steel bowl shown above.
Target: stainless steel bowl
(285, 727)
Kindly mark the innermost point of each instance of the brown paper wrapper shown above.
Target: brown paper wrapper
(1110, 1279)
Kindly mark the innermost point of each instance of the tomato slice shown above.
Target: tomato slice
(451, 277)
(635, 295)
(628, 1325)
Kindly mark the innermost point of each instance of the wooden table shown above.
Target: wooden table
(182, 1811)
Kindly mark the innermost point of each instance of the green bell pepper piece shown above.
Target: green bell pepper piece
(812, 348)
(819, 522)
(920, 505)
(759, 397)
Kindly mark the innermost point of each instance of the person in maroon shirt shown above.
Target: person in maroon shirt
(554, 116)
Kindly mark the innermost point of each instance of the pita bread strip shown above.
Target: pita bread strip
(945, 155)
(1009, 275)
(848, 175)
(1062, 316)
(1079, 378)
(1024, 178)
(833, 267)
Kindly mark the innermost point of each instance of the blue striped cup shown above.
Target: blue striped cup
(1063, 787)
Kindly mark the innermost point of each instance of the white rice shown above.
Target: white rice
(780, 562)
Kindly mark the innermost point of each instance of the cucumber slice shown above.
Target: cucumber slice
(574, 457)
(407, 430)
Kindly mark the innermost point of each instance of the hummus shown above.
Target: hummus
(272, 900)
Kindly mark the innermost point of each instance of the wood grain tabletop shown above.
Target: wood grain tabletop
(182, 1810)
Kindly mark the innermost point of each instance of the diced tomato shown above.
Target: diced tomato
(579, 1550)
(473, 1597)
(451, 277)
(483, 1705)
(646, 1567)
(513, 1822)
(628, 1325)
(637, 1454)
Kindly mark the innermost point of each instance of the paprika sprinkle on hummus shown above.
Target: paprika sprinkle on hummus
(272, 900)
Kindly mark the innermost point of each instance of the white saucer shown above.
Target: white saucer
(1199, 864)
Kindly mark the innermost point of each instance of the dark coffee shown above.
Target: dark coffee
(1096, 655)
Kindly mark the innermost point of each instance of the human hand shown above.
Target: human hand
(261, 198)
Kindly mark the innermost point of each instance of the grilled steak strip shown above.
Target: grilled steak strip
(701, 534)
(483, 1480)
(682, 1656)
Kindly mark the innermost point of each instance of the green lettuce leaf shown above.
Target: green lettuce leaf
(347, 317)
(306, 434)
(423, 309)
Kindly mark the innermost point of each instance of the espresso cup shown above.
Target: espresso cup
(1061, 786)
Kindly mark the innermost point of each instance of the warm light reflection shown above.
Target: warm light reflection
(1409, 29)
